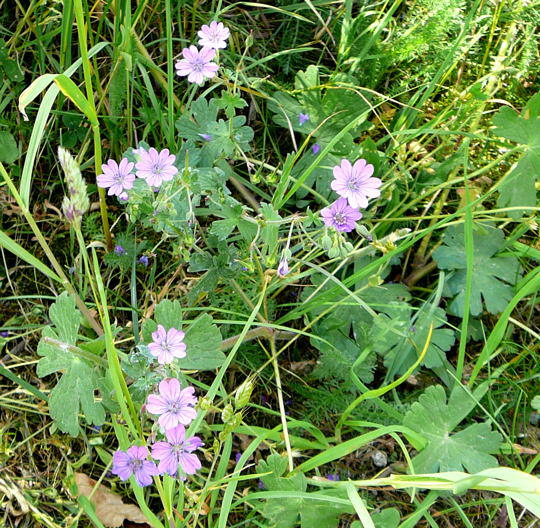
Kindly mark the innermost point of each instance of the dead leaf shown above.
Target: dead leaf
(300, 367)
(110, 509)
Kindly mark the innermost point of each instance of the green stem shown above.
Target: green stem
(79, 16)
(281, 403)
(170, 73)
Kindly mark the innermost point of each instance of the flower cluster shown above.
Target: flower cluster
(152, 166)
(174, 408)
(354, 184)
(76, 201)
(197, 64)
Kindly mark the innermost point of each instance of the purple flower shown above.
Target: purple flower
(283, 267)
(333, 476)
(173, 404)
(119, 250)
(4, 333)
(315, 148)
(123, 196)
(214, 36)
(167, 345)
(177, 450)
(116, 177)
(340, 215)
(144, 260)
(206, 137)
(355, 183)
(237, 457)
(302, 118)
(134, 462)
(197, 64)
(156, 167)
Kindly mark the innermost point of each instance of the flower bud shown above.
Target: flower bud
(227, 414)
(326, 242)
(283, 268)
(243, 394)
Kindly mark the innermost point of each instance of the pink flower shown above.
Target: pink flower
(177, 451)
(214, 35)
(173, 404)
(167, 345)
(197, 64)
(355, 183)
(156, 167)
(134, 462)
(340, 215)
(116, 177)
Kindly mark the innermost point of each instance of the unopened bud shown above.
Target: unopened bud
(243, 394)
(326, 242)
(227, 414)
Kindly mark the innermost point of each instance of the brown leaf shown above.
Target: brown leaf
(110, 509)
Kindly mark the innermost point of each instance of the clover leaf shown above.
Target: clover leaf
(470, 449)
(286, 512)
(519, 187)
(492, 277)
(80, 379)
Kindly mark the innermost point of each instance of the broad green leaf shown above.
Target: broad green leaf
(9, 151)
(74, 393)
(519, 187)
(493, 277)
(298, 506)
(435, 419)
(203, 340)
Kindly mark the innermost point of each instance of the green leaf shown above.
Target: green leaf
(338, 354)
(446, 450)
(270, 231)
(493, 278)
(219, 267)
(233, 214)
(202, 120)
(203, 340)
(388, 518)
(9, 151)
(230, 102)
(285, 512)
(399, 335)
(519, 187)
(75, 390)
